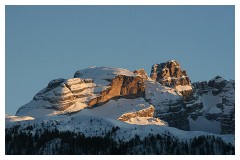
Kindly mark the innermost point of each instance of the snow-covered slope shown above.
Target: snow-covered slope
(102, 75)
(160, 96)
(115, 108)
(71, 95)
(98, 126)
(218, 97)
(102, 91)
(103, 100)
(100, 88)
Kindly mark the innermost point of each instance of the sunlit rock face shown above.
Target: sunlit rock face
(142, 73)
(170, 74)
(169, 92)
(116, 83)
(121, 86)
(59, 95)
(89, 88)
(147, 112)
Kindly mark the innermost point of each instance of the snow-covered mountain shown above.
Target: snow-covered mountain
(118, 104)
(218, 98)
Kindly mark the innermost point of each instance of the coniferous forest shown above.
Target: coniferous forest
(55, 142)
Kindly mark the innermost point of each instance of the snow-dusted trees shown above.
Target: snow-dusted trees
(55, 142)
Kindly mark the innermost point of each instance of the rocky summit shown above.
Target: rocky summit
(168, 90)
(120, 104)
(169, 74)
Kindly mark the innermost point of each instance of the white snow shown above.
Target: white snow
(202, 124)
(209, 107)
(218, 79)
(210, 102)
(80, 85)
(114, 109)
(37, 108)
(100, 75)
(17, 118)
(214, 110)
(146, 121)
(160, 96)
(99, 126)
(73, 81)
(74, 108)
(99, 120)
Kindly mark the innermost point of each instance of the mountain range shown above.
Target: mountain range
(106, 110)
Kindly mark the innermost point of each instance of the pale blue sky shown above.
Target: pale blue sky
(48, 42)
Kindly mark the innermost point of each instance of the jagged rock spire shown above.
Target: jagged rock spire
(169, 74)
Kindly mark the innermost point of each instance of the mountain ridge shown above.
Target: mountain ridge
(126, 101)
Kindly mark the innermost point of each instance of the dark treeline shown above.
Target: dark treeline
(18, 142)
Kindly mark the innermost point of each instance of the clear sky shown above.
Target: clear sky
(48, 42)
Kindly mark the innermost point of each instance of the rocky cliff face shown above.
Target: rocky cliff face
(142, 73)
(169, 93)
(170, 74)
(121, 86)
(95, 90)
(62, 93)
(223, 110)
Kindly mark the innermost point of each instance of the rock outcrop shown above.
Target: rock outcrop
(121, 86)
(170, 74)
(177, 115)
(142, 73)
(60, 94)
(88, 90)
(148, 112)
(224, 111)
(174, 111)
(170, 105)
(169, 93)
